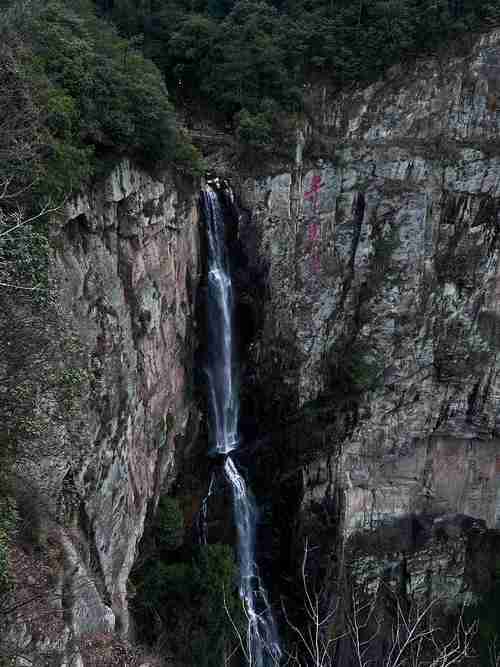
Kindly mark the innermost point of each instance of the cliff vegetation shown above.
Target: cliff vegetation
(248, 65)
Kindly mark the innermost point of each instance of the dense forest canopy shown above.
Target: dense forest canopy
(254, 56)
(93, 76)
(76, 96)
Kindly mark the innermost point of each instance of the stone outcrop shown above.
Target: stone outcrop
(109, 359)
(382, 292)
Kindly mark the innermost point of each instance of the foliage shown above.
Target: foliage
(196, 626)
(236, 56)
(186, 157)
(25, 252)
(88, 93)
(355, 368)
(214, 578)
(364, 372)
(169, 523)
(7, 524)
(270, 131)
(486, 612)
(255, 130)
(248, 61)
(22, 141)
(190, 53)
(102, 92)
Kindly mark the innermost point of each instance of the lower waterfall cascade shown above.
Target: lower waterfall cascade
(262, 642)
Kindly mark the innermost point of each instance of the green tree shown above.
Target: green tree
(250, 64)
(121, 100)
(190, 53)
(189, 599)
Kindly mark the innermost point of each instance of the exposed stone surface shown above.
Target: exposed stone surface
(129, 258)
(384, 288)
(450, 557)
(113, 399)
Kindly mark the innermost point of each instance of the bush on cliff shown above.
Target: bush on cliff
(95, 96)
(7, 524)
(169, 524)
(101, 95)
(182, 602)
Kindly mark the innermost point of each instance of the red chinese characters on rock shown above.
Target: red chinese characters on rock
(313, 231)
(316, 260)
(313, 196)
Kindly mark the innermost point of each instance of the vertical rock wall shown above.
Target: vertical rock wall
(382, 307)
(113, 403)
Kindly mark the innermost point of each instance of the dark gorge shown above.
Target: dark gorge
(262, 644)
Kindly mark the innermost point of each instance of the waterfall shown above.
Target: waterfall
(202, 518)
(223, 393)
(263, 648)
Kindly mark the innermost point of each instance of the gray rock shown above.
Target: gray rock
(384, 281)
(111, 384)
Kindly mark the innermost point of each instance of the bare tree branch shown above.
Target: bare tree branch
(18, 215)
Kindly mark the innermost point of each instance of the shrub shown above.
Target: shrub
(254, 130)
(7, 524)
(163, 582)
(355, 368)
(169, 523)
(270, 130)
(108, 93)
(87, 93)
(188, 596)
(186, 157)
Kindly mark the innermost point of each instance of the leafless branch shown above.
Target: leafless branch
(21, 221)
(30, 289)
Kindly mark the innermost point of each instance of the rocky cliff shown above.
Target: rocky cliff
(100, 368)
(368, 309)
(377, 347)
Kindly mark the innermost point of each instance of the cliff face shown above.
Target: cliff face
(106, 363)
(369, 313)
(381, 313)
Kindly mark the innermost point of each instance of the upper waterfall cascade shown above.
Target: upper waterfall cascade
(263, 648)
(223, 399)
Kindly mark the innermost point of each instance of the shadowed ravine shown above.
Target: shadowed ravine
(263, 647)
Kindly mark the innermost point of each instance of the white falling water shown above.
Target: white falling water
(263, 649)
(202, 525)
(262, 637)
(220, 369)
